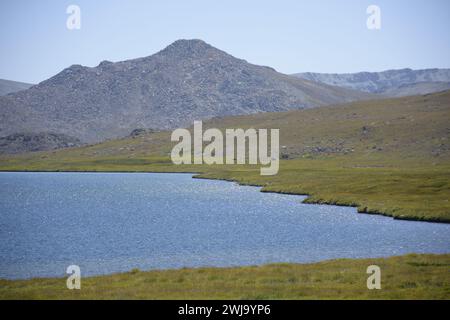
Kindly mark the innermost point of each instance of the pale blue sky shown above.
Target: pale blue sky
(291, 36)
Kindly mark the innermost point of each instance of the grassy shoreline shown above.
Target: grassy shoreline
(413, 276)
(393, 188)
(388, 157)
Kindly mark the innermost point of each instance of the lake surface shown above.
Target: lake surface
(111, 222)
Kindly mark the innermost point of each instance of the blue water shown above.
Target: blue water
(111, 222)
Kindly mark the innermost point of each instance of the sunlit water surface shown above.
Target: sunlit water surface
(111, 222)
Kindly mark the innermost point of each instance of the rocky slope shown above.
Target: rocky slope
(22, 142)
(188, 80)
(391, 83)
(8, 86)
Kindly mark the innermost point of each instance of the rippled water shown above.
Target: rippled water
(110, 222)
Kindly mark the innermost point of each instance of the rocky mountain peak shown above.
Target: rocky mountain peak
(188, 80)
(192, 48)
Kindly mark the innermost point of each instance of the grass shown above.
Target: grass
(389, 157)
(400, 189)
(404, 277)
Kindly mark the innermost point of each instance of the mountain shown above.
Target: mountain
(8, 86)
(186, 81)
(391, 83)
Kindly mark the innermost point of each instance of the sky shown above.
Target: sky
(290, 36)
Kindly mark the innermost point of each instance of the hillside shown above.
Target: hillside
(390, 83)
(8, 86)
(187, 80)
(389, 156)
(23, 142)
(410, 127)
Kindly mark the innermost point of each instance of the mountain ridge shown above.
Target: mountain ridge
(10, 86)
(389, 83)
(188, 80)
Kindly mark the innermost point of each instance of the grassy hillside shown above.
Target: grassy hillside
(404, 277)
(388, 156)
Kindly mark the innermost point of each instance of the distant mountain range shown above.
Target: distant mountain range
(8, 86)
(186, 81)
(391, 83)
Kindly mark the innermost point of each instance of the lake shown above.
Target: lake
(112, 222)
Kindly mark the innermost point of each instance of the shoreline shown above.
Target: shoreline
(308, 200)
(329, 279)
(201, 175)
(174, 269)
(334, 278)
(134, 270)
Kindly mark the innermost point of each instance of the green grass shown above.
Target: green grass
(389, 157)
(400, 189)
(405, 277)
(403, 192)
